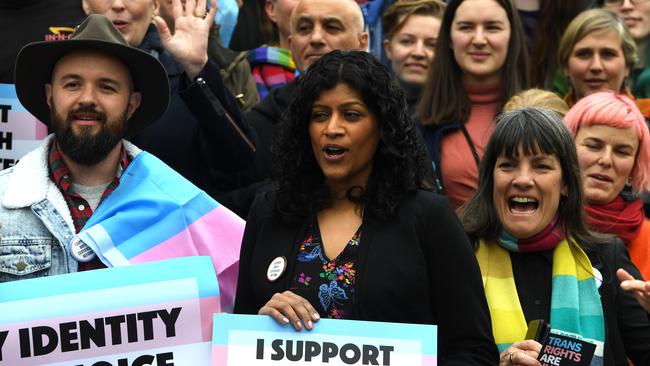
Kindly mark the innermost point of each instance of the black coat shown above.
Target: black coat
(264, 118)
(202, 128)
(627, 327)
(418, 267)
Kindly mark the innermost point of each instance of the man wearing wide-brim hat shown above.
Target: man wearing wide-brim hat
(92, 91)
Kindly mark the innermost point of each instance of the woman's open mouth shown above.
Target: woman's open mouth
(522, 205)
(334, 152)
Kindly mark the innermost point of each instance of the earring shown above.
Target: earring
(627, 193)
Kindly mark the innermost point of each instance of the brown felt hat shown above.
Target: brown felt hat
(36, 61)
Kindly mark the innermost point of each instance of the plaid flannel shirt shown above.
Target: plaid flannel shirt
(79, 209)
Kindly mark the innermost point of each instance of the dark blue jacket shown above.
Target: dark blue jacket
(433, 136)
(203, 129)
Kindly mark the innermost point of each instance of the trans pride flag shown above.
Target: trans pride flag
(157, 214)
(163, 308)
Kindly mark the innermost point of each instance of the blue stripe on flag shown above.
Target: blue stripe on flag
(171, 269)
(141, 202)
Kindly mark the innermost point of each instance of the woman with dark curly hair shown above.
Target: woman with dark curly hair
(349, 231)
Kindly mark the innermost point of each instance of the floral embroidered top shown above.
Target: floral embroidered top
(327, 284)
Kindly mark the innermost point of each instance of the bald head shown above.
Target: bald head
(321, 26)
(349, 8)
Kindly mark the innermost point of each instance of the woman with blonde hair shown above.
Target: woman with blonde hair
(596, 53)
(537, 98)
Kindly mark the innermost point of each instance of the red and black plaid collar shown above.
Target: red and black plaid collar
(80, 211)
(60, 173)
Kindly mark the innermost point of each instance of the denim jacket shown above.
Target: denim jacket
(36, 225)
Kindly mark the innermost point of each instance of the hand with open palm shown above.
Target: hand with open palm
(189, 42)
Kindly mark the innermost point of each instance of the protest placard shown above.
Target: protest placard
(563, 350)
(255, 340)
(20, 131)
(157, 313)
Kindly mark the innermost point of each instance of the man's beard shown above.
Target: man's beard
(85, 148)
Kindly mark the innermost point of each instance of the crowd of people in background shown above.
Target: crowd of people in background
(475, 164)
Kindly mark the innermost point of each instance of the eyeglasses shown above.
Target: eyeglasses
(620, 2)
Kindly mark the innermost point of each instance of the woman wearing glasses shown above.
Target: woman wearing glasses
(636, 14)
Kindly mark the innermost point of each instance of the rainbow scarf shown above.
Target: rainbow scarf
(546, 239)
(272, 68)
(155, 213)
(576, 310)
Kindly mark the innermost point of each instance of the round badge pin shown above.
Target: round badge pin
(276, 268)
(598, 277)
(80, 251)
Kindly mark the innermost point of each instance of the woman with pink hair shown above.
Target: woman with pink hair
(613, 145)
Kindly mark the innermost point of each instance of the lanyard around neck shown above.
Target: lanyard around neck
(477, 159)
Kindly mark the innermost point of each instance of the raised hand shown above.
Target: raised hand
(189, 42)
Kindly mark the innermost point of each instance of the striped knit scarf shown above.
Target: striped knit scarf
(576, 310)
(271, 67)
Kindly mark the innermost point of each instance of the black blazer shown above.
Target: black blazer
(627, 327)
(417, 267)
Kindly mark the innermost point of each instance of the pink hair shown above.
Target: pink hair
(618, 111)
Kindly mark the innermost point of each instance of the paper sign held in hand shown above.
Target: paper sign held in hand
(158, 313)
(256, 340)
(560, 350)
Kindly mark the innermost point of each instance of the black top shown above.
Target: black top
(533, 274)
(434, 276)
(412, 94)
(248, 31)
(25, 21)
(264, 119)
(627, 327)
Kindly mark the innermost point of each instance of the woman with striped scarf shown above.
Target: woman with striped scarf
(538, 260)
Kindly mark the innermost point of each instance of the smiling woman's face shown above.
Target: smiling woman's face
(131, 17)
(412, 48)
(480, 34)
(527, 190)
(635, 15)
(597, 63)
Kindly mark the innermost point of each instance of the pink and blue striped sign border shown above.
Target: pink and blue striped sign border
(188, 284)
(249, 339)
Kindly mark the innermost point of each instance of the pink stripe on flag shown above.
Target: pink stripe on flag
(41, 129)
(219, 355)
(429, 360)
(209, 306)
(217, 234)
(276, 79)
